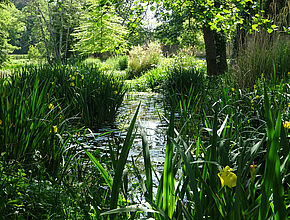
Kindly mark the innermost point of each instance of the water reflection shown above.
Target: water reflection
(150, 118)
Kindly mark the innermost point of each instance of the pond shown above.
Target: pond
(151, 118)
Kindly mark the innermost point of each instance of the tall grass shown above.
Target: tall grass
(143, 58)
(263, 52)
(44, 162)
(90, 93)
(41, 163)
(241, 131)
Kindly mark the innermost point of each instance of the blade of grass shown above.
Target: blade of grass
(104, 173)
(168, 204)
(130, 209)
(147, 164)
(122, 161)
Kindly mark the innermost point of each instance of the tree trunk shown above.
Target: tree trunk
(210, 50)
(221, 52)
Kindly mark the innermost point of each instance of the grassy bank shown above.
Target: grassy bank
(227, 152)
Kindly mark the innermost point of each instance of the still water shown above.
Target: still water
(151, 118)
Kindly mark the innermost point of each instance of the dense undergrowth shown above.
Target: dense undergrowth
(227, 152)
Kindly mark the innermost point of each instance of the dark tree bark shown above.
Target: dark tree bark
(221, 52)
(210, 50)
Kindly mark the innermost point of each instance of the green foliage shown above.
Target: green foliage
(92, 95)
(10, 27)
(37, 104)
(232, 133)
(183, 74)
(261, 54)
(152, 79)
(123, 63)
(33, 53)
(26, 116)
(99, 31)
(143, 58)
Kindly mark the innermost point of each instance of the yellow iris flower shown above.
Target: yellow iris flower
(54, 129)
(227, 177)
(51, 106)
(286, 124)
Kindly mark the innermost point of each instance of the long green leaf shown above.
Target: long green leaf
(130, 209)
(147, 164)
(187, 159)
(122, 161)
(104, 173)
(168, 179)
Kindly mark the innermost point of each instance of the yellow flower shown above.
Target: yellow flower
(73, 78)
(72, 84)
(256, 97)
(83, 77)
(0, 122)
(233, 89)
(54, 128)
(286, 124)
(255, 87)
(289, 105)
(252, 170)
(125, 200)
(51, 106)
(227, 177)
(115, 92)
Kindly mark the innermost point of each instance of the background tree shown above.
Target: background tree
(99, 30)
(219, 18)
(52, 23)
(10, 29)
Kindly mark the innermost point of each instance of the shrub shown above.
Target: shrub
(123, 63)
(33, 53)
(184, 73)
(143, 58)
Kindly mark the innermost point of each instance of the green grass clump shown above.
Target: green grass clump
(262, 54)
(91, 94)
(183, 75)
(241, 135)
(123, 63)
(143, 58)
(41, 162)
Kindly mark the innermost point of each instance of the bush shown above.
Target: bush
(143, 58)
(123, 63)
(33, 53)
(183, 75)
